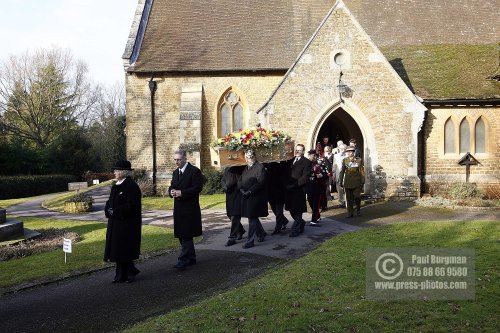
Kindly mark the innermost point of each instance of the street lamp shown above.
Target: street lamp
(342, 87)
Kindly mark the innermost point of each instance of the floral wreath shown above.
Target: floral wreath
(252, 138)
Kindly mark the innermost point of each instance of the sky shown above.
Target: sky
(95, 31)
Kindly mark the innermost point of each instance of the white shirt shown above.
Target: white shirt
(183, 168)
(118, 182)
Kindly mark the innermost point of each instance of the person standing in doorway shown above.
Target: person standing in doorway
(352, 178)
(295, 197)
(187, 182)
(231, 181)
(253, 198)
(123, 233)
(337, 166)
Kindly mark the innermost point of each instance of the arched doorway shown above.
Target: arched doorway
(341, 126)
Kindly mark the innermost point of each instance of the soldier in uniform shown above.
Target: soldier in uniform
(352, 179)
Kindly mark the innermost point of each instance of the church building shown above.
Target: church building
(415, 83)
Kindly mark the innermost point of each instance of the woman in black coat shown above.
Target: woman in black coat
(231, 181)
(254, 198)
(123, 234)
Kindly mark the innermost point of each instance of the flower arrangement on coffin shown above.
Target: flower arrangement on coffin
(252, 139)
(270, 146)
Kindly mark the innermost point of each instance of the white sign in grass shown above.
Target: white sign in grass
(66, 247)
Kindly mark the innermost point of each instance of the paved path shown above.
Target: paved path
(215, 226)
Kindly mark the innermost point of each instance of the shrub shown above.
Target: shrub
(81, 197)
(89, 176)
(460, 191)
(146, 186)
(139, 174)
(493, 192)
(26, 186)
(212, 181)
(437, 201)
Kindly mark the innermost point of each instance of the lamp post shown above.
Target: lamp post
(152, 88)
(341, 87)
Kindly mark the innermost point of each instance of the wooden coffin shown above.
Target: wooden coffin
(222, 158)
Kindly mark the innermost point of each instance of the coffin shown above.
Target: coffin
(221, 157)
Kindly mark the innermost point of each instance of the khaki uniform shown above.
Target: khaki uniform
(352, 178)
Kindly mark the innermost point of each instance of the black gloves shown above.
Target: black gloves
(224, 188)
(244, 193)
(110, 211)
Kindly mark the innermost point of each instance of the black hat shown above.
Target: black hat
(312, 151)
(122, 165)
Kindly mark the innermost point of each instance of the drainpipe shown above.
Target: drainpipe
(422, 156)
(152, 88)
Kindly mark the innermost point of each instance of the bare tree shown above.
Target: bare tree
(43, 94)
(106, 131)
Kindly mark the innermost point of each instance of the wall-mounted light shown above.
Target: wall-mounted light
(342, 87)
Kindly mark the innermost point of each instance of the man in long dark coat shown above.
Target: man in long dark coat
(295, 198)
(276, 181)
(123, 234)
(254, 198)
(185, 188)
(231, 181)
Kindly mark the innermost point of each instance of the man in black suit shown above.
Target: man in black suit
(276, 182)
(231, 182)
(253, 198)
(295, 197)
(185, 188)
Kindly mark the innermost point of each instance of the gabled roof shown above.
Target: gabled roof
(254, 35)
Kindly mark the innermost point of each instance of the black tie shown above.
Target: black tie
(180, 172)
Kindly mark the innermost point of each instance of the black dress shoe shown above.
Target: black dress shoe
(248, 245)
(230, 242)
(262, 238)
(294, 234)
(349, 216)
(130, 279)
(192, 262)
(180, 265)
(118, 281)
(276, 231)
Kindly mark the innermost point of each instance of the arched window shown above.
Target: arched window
(449, 137)
(230, 113)
(480, 136)
(464, 136)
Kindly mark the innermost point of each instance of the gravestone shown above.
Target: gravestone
(9, 228)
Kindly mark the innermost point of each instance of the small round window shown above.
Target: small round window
(339, 58)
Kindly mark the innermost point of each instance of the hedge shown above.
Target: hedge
(12, 187)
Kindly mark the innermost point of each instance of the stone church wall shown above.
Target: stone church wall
(444, 167)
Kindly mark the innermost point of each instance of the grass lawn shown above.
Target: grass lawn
(324, 291)
(87, 253)
(214, 201)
